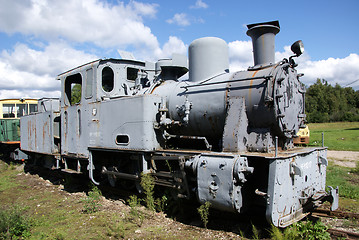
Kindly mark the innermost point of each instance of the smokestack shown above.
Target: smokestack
(263, 35)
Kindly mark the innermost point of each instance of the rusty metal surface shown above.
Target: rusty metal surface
(338, 233)
(37, 131)
(235, 135)
(334, 214)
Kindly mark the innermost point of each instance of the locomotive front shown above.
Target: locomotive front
(248, 119)
(270, 94)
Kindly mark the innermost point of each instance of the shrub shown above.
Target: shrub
(92, 201)
(306, 230)
(13, 224)
(135, 215)
(203, 211)
(310, 231)
(161, 203)
(134, 203)
(148, 184)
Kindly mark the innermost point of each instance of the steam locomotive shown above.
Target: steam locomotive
(220, 137)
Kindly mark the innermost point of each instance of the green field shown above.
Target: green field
(342, 136)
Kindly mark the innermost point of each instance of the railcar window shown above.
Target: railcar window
(132, 73)
(33, 108)
(89, 81)
(8, 110)
(122, 139)
(22, 110)
(73, 88)
(107, 79)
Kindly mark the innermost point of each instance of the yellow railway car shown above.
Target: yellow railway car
(10, 112)
(302, 136)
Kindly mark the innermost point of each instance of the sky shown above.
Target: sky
(40, 39)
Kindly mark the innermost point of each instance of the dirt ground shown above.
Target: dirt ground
(343, 158)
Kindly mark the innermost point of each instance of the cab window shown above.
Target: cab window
(8, 110)
(73, 88)
(107, 79)
(132, 73)
(33, 108)
(21, 110)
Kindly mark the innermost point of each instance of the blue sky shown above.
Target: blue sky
(42, 38)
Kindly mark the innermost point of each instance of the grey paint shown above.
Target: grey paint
(38, 130)
(263, 37)
(208, 57)
(138, 122)
(293, 183)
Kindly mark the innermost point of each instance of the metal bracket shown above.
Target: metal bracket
(90, 168)
(295, 169)
(322, 161)
(334, 197)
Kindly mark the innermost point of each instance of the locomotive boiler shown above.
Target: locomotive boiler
(216, 136)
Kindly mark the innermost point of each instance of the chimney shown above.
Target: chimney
(263, 35)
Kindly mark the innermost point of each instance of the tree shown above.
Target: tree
(76, 94)
(325, 103)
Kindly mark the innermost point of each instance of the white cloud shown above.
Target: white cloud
(144, 9)
(199, 4)
(180, 19)
(28, 72)
(334, 70)
(28, 94)
(174, 45)
(240, 55)
(82, 21)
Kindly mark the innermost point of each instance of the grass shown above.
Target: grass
(57, 214)
(306, 230)
(347, 179)
(13, 225)
(342, 136)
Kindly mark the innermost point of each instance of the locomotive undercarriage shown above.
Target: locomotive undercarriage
(249, 183)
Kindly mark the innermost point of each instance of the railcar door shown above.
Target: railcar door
(74, 140)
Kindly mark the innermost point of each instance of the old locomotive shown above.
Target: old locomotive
(217, 136)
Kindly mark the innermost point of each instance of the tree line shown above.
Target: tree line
(325, 103)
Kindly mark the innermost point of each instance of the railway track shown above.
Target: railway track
(338, 233)
(333, 214)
